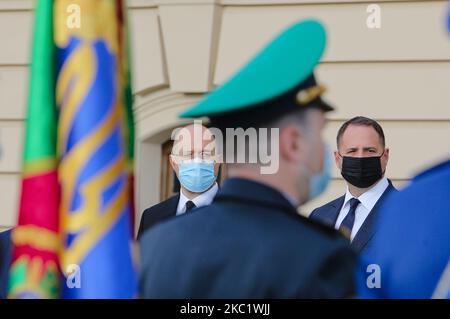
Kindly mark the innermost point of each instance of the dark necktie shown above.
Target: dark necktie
(190, 206)
(347, 224)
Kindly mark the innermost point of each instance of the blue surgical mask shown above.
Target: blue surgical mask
(197, 175)
(318, 183)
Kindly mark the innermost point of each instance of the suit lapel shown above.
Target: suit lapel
(337, 209)
(172, 205)
(330, 215)
(368, 229)
(157, 213)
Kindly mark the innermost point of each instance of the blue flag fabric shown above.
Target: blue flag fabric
(96, 256)
(412, 245)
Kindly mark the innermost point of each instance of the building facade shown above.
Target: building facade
(181, 49)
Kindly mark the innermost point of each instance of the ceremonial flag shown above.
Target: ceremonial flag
(80, 106)
(34, 272)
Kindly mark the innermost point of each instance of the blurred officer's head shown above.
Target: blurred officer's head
(300, 152)
(193, 158)
(361, 153)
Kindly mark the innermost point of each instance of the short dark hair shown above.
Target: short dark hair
(363, 121)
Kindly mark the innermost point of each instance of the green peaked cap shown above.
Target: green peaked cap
(282, 66)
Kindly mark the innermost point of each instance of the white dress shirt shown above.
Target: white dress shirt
(203, 199)
(367, 202)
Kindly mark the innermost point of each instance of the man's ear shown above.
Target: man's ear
(338, 160)
(291, 143)
(173, 163)
(386, 155)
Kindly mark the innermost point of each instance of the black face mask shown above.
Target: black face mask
(361, 172)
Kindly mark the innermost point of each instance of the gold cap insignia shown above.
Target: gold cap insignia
(305, 96)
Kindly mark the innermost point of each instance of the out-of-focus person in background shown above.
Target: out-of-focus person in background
(411, 251)
(196, 168)
(251, 242)
(5, 258)
(362, 158)
(410, 256)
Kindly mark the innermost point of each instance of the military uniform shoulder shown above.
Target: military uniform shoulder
(168, 202)
(158, 230)
(320, 227)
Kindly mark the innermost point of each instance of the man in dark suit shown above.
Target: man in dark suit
(251, 242)
(362, 158)
(5, 259)
(193, 161)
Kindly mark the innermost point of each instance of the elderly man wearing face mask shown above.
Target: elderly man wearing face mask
(251, 242)
(362, 158)
(193, 162)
